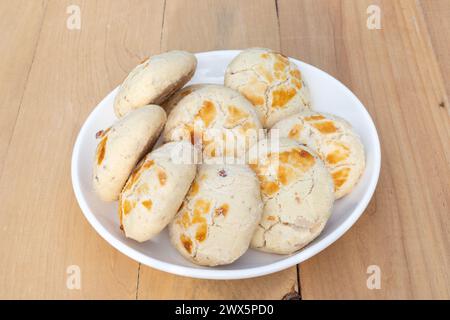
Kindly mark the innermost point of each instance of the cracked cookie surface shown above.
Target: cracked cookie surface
(297, 192)
(270, 81)
(334, 140)
(155, 190)
(172, 102)
(217, 119)
(216, 222)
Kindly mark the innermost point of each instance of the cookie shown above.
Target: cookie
(217, 119)
(270, 81)
(297, 191)
(216, 221)
(121, 146)
(334, 140)
(155, 190)
(154, 80)
(172, 102)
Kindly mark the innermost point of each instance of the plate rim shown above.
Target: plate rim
(221, 274)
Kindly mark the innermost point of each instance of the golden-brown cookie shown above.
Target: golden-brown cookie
(297, 192)
(121, 146)
(217, 220)
(334, 140)
(270, 81)
(155, 190)
(154, 80)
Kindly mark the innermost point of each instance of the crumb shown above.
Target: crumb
(222, 173)
(99, 134)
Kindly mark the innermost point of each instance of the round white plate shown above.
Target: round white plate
(328, 95)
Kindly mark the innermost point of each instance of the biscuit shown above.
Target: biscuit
(154, 80)
(155, 190)
(334, 140)
(121, 146)
(217, 119)
(297, 191)
(172, 102)
(270, 81)
(216, 221)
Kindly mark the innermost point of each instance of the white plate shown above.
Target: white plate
(328, 95)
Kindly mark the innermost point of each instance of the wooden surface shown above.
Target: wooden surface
(51, 78)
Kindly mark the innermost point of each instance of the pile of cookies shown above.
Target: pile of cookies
(244, 164)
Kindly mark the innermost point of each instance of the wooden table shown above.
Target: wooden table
(52, 76)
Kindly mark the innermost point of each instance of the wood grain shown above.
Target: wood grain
(19, 41)
(214, 25)
(436, 14)
(156, 285)
(406, 230)
(51, 78)
(43, 229)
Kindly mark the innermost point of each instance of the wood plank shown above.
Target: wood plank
(19, 40)
(43, 229)
(436, 14)
(159, 285)
(406, 230)
(52, 78)
(212, 25)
